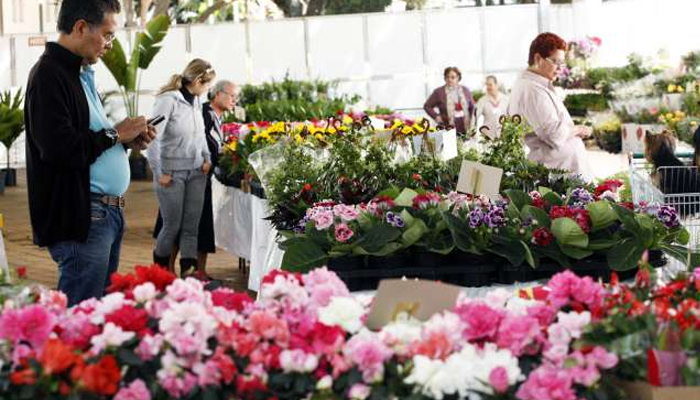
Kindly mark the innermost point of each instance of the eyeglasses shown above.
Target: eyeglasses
(109, 38)
(556, 63)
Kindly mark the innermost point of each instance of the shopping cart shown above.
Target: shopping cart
(678, 187)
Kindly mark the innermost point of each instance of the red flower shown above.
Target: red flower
(327, 339)
(122, 283)
(582, 219)
(643, 278)
(250, 388)
(160, 277)
(539, 202)
(130, 319)
(416, 177)
(103, 377)
(458, 107)
(559, 212)
(230, 300)
(57, 357)
(270, 278)
(542, 236)
(307, 187)
(23, 377)
(21, 272)
(628, 205)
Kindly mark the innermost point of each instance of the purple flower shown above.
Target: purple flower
(476, 218)
(394, 220)
(668, 216)
(580, 197)
(496, 217)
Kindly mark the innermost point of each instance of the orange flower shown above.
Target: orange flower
(57, 357)
(102, 378)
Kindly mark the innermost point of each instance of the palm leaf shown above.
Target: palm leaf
(132, 68)
(151, 39)
(115, 61)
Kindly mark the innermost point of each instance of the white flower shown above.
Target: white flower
(359, 391)
(298, 361)
(325, 383)
(107, 305)
(145, 292)
(518, 306)
(346, 312)
(499, 298)
(287, 288)
(189, 318)
(400, 335)
(111, 336)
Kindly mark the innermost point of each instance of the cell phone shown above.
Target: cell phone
(156, 120)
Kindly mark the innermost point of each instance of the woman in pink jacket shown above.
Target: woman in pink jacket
(453, 101)
(554, 140)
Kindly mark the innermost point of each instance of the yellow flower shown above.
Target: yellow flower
(331, 131)
(232, 146)
(319, 136)
(669, 115)
(693, 123)
(680, 114)
(347, 120)
(680, 89)
(406, 130)
(671, 88)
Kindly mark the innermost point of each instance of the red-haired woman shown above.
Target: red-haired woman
(554, 140)
(454, 102)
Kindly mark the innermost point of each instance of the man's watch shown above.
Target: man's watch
(112, 134)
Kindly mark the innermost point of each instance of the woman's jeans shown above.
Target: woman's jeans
(181, 207)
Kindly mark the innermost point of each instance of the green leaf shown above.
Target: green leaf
(408, 219)
(151, 39)
(552, 199)
(132, 68)
(392, 192)
(536, 214)
(575, 252)
(509, 249)
(568, 233)
(544, 190)
(377, 237)
(460, 232)
(518, 197)
(115, 61)
(602, 215)
(626, 254)
(414, 233)
(683, 236)
(389, 249)
(303, 256)
(513, 212)
(405, 199)
(680, 253)
(646, 230)
(528, 255)
(626, 216)
(129, 357)
(602, 244)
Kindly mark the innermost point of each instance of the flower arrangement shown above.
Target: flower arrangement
(524, 229)
(305, 337)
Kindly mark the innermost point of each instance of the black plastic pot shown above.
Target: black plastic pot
(139, 168)
(10, 177)
(3, 173)
(257, 190)
(233, 180)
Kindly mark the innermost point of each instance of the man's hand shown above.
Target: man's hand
(137, 144)
(165, 180)
(130, 128)
(206, 167)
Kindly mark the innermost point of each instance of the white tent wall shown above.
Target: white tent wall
(393, 60)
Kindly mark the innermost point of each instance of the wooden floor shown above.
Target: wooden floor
(137, 248)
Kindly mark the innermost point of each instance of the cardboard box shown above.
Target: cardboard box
(645, 391)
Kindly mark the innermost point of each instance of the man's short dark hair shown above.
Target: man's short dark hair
(92, 11)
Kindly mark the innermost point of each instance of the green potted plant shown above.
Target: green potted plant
(11, 126)
(146, 46)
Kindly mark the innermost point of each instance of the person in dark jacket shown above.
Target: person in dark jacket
(222, 99)
(77, 166)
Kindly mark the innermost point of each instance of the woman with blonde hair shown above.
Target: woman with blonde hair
(180, 160)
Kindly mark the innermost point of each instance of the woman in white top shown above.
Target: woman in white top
(554, 140)
(490, 107)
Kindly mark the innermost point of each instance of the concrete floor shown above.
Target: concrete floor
(137, 247)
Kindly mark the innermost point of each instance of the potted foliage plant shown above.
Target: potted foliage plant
(146, 46)
(11, 126)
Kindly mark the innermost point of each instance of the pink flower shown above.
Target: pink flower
(566, 286)
(547, 383)
(177, 387)
(345, 212)
(544, 313)
(54, 300)
(601, 358)
(429, 199)
(323, 285)
(359, 391)
(518, 334)
(149, 347)
(482, 321)
(298, 361)
(137, 390)
(369, 353)
(77, 330)
(498, 378)
(323, 219)
(268, 326)
(343, 233)
(33, 324)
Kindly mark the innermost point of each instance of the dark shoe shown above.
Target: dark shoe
(163, 262)
(187, 265)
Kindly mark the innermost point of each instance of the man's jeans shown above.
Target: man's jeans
(85, 268)
(181, 207)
